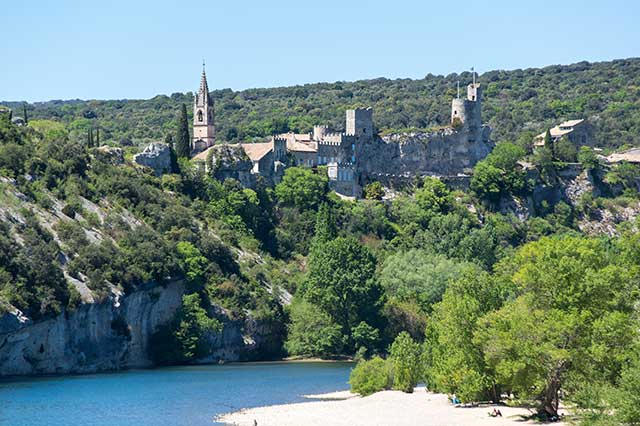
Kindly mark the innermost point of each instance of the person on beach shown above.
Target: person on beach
(495, 413)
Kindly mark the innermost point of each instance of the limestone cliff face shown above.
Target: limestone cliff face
(111, 335)
(447, 152)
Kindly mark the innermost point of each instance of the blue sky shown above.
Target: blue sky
(139, 48)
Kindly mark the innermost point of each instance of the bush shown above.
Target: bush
(371, 376)
(373, 191)
(405, 357)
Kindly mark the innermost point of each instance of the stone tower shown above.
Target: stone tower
(360, 122)
(204, 130)
(468, 111)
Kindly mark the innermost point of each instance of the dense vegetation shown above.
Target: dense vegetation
(456, 289)
(517, 101)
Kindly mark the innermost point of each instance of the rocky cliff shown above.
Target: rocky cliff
(113, 335)
(446, 153)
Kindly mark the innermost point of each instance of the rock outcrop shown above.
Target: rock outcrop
(156, 156)
(115, 335)
(444, 153)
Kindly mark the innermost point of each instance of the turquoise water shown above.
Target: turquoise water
(181, 396)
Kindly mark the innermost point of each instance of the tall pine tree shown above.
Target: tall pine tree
(175, 167)
(325, 227)
(183, 145)
(24, 110)
(548, 143)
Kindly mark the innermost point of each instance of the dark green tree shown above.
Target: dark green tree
(325, 225)
(183, 145)
(342, 283)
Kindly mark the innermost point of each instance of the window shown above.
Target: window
(200, 116)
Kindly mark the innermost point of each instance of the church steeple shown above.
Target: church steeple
(203, 93)
(203, 124)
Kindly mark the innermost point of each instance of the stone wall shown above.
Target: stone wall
(445, 153)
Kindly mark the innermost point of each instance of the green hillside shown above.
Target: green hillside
(516, 101)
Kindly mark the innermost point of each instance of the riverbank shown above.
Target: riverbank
(381, 409)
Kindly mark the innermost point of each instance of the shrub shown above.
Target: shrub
(405, 357)
(374, 191)
(371, 376)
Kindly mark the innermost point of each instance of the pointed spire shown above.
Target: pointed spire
(203, 92)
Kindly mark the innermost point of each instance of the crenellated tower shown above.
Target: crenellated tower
(204, 130)
(466, 113)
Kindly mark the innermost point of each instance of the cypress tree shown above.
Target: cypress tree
(175, 167)
(325, 226)
(183, 145)
(24, 110)
(98, 136)
(89, 138)
(548, 142)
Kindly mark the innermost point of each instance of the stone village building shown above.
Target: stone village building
(578, 132)
(354, 157)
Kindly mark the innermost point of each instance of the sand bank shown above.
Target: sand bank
(388, 408)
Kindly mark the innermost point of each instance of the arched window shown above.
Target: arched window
(200, 116)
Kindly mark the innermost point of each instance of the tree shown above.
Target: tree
(548, 143)
(325, 229)
(571, 324)
(312, 332)
(192, 262)
(499, 173)
(183, 140)
(184, 339)
(302, 188)
(365, 337)
(374, 191)
(452, 361)
(341, 282)
(371, 376)
(434, 196)
(624, 174)
(419, 275)
(588, 159)
(404, 355)
(24, 112)
(566, 151)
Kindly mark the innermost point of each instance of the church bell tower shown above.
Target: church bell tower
(204, 130)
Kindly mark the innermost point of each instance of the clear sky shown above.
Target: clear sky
(116, 49)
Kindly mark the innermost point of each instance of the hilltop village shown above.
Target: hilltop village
(353, 158)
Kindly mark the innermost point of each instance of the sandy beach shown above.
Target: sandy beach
(388, 408)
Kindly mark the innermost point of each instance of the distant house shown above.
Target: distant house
(579, 132)
(629, 156)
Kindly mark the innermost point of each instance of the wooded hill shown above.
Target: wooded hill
(517, 104)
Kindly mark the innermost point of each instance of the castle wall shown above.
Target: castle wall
(446, 153)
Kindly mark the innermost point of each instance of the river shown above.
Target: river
(178, 396)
